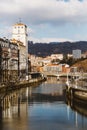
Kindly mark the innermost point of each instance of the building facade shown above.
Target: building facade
(8, 60)
(19, 33)
(76, 54)
(22, 54)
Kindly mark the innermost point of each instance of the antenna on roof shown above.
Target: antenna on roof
(19, 20)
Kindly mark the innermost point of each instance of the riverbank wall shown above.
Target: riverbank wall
(76, 95)
(11, 86)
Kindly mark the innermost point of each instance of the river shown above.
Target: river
(43, 107)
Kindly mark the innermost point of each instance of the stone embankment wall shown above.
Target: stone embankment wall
(21, 84)
(78, 95)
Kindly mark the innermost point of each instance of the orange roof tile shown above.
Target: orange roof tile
(17, 42)
(19, 24)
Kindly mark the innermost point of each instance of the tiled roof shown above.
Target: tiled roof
(17, 42)
(19, 24)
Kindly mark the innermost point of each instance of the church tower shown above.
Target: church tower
(20, 33)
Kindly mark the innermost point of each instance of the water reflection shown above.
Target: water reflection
(41, 107)
(80, 108)
(48, 91)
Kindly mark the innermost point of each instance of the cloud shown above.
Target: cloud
(38, 14)
(47, 40)
(47, 11)
(5, 31)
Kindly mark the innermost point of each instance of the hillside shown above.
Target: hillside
(82, 65)
(44, 49)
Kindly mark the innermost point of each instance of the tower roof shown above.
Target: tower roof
(19, 24)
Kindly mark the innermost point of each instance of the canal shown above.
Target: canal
(42, 107)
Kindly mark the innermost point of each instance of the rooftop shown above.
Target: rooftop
(19, 24)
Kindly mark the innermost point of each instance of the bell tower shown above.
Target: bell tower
(20, 33)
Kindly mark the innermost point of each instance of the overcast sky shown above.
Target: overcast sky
(47, 20)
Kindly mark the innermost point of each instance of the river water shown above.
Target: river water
(43, 107)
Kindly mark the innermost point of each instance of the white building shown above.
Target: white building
(76, 54)
(19, 33)
(57, 56)
(53, 68)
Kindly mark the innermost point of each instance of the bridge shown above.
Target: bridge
(70, 74)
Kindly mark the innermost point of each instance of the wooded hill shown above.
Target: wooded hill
(46, 49)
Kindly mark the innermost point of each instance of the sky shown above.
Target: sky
(47, 20)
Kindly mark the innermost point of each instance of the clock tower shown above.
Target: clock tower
(20, 33)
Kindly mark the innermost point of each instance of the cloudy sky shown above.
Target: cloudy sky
(47, 20)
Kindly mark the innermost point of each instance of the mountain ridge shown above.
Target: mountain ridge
(46, 49)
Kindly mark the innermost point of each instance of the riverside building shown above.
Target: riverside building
(19, 33)
(14, 54)
(8, 60)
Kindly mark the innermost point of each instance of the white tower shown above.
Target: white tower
(20, 33)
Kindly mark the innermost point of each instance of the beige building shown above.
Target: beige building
(8, 60)
(22, 54)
